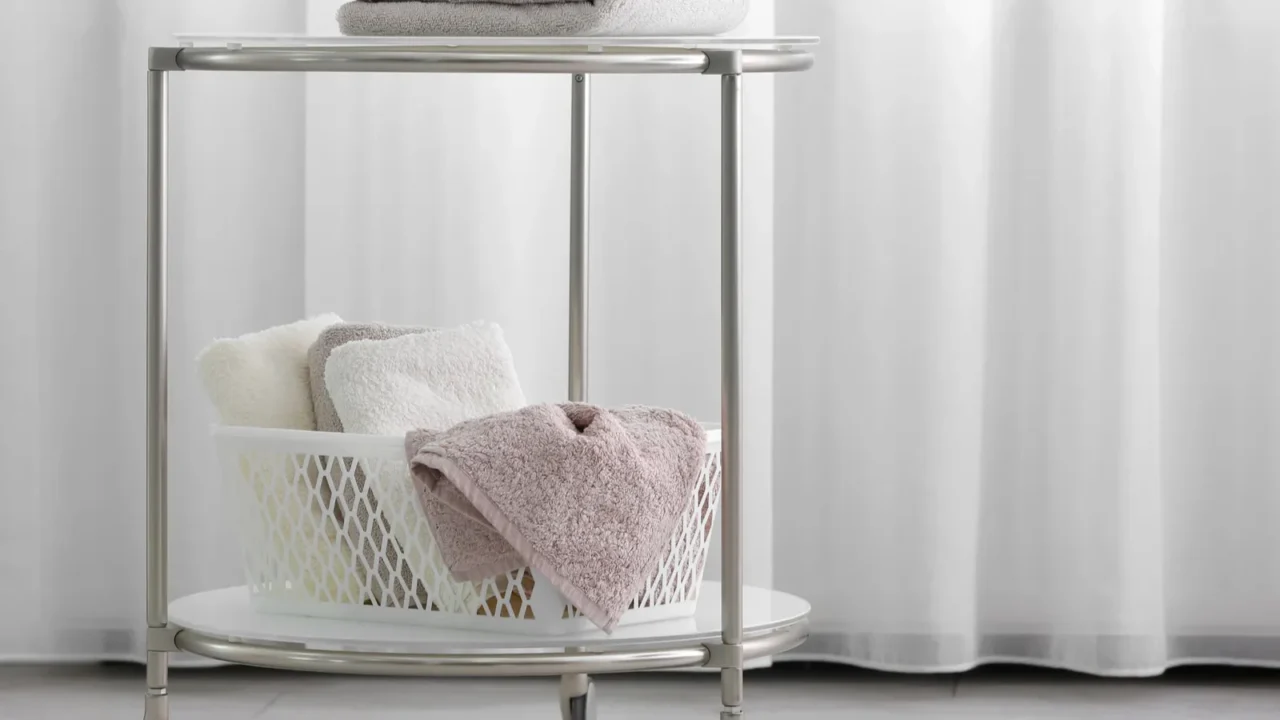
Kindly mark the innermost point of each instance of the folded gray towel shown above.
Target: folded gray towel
(586, 496)
(501, 2)
(516, 2)
(402, 593)
(600, 17)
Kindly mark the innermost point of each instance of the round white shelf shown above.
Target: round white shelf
(226, 614)
(221, 624)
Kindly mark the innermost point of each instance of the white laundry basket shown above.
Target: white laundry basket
(331, 526)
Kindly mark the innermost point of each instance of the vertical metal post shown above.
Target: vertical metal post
(157, 698)
(731, 386)
(576, 701)
(579, 236)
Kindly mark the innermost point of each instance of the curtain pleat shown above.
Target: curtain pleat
(1024, 365)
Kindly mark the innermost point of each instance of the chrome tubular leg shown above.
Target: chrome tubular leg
(156, 705)
(579, 236)
(577, 694)
(731, 388)
(157, 698)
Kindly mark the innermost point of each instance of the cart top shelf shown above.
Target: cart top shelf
(692, 42)
(616, 55)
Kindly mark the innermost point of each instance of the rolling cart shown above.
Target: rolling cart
(748, 623)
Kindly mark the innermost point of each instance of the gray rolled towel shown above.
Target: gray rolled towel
(597, 18)
(516, 2)
(350, 502)
(588, 497)
(331, 338)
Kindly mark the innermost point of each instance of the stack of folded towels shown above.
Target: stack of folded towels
(588, 497)
(540, 17)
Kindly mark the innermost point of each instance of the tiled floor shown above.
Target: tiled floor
(794, 692)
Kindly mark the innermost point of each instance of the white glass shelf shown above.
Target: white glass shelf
(692, 42)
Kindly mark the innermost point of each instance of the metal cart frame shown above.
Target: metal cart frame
(580, 58)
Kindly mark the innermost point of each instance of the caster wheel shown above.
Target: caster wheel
(580, 707)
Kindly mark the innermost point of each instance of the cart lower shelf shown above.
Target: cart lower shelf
(221, 624)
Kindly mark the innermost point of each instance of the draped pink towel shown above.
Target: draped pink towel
(588, 497)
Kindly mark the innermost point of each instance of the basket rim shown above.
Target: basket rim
(372, 442)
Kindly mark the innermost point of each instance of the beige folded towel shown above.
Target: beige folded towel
(261, 380)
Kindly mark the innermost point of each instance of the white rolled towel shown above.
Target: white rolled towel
(262, 379)
(429, 380)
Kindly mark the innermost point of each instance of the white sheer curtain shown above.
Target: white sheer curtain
(1027, 339)
(71, 234)
(1022, 391)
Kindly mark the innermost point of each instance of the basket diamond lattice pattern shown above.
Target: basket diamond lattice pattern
(332, 527)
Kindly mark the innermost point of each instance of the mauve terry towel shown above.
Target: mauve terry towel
(588, 497)
(599, 17)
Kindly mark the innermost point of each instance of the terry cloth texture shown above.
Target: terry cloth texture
(588, 497)
(262, 379)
